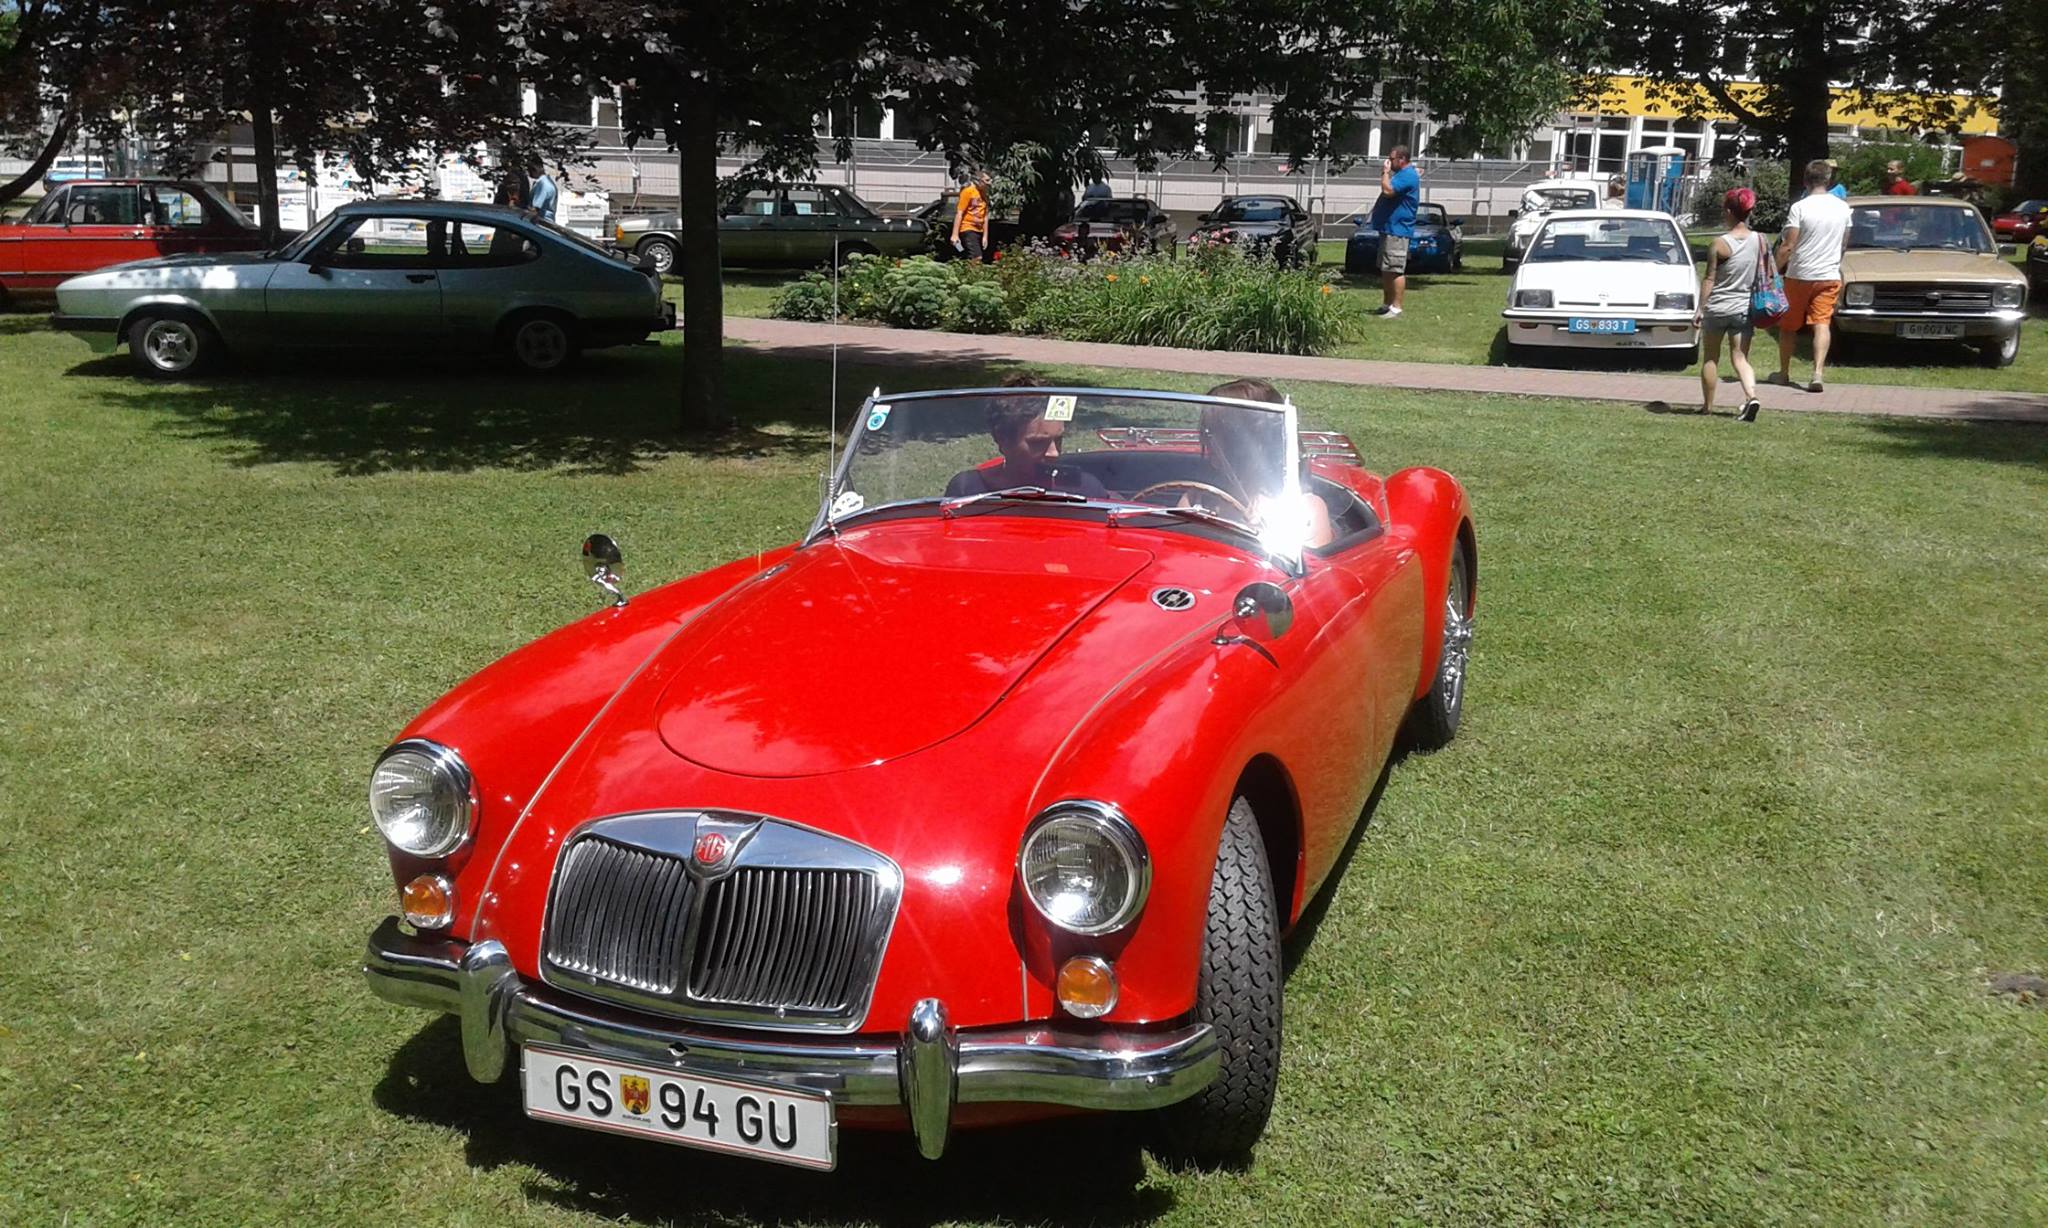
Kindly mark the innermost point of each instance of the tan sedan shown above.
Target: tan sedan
(1926, 268)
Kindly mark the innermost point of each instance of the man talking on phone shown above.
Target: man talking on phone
(1394, 217)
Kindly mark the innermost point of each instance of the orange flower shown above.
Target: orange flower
(1326, 289)
(1144, 280)
(1109, 277)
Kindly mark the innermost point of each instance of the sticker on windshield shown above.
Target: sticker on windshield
(1059, 409)
(848, 502)
(878, 417)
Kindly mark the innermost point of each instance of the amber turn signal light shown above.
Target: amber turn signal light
(1087, 987)
(428, 902)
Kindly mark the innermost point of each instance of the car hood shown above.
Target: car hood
(809, 671)
(1251, 229)
(1620, 281)
(1868, 264)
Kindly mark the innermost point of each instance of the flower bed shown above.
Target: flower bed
(1215, 298)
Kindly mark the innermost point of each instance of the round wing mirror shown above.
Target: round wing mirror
(1265, 607)
(601, 560)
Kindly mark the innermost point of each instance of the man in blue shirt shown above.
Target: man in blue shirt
(1394, 217)
(544, 194)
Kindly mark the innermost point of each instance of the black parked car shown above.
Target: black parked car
(1438, 245)
(1266, 225)
(1112, 224)
(936, 219)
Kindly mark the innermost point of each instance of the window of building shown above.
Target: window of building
(563, 109)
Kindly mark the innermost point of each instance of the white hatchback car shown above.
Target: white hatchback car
(1605, 279)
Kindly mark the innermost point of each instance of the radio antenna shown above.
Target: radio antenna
(832, 439)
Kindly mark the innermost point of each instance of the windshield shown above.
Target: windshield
(1111, 211)
(1652, 240)
(1544, 200)
(1131, 457)
(1252, 211)
(1906, 227)
(1431, 215)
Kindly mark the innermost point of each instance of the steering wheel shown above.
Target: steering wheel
(1203, 487)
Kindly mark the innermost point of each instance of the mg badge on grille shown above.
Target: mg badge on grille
(711, 850)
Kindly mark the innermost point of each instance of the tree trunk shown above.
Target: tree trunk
(1807, 97)
(703, 279)
(266, 168)
(51, 148)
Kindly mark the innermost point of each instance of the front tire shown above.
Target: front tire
(171, 346)
(1434, 720)
(660, 255)
(1238, 994)
(2000, 352)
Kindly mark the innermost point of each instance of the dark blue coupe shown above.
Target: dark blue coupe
(1438, 245)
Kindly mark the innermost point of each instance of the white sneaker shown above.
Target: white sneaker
(1391, 312)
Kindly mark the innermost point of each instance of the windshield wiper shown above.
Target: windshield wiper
(1201, 515)
(1023, 494)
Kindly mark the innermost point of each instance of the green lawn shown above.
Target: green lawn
(1693, 924)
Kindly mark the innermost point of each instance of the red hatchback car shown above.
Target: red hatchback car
(92, 223)
(2022, 222)
(989, 800)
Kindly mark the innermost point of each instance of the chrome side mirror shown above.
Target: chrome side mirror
(601, 560)
(1266, 607)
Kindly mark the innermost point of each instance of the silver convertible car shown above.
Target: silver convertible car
(435, 275)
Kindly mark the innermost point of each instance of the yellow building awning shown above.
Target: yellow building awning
(1629, 95)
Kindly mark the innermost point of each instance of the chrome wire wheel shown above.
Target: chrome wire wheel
(541, 344)
(1457, 654)
(171, 345)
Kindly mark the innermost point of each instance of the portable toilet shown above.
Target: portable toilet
(1656, 178)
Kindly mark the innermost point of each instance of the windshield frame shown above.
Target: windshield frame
(1987, 242)
(1679, 256)
(824, 523)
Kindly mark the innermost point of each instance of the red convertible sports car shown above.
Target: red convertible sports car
(989, 800)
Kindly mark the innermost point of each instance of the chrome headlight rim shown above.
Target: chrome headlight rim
(446, 764)
(1108, 820)
(2009, 296)
(1859, 294)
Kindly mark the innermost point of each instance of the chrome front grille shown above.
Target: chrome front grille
(618, 915)
(776, 937)
(782, 926)
(1931, 296)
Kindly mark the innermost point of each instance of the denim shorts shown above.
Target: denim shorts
(1735, 324)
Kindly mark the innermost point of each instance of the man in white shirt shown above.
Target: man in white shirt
(1810, 256)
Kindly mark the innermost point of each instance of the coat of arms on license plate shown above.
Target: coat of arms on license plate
(633, 1090)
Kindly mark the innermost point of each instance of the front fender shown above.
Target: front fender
(518, 717)
(1430, 510)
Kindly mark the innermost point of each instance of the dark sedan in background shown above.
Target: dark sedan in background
(793, 226)
(936, 220)
(1275, 226)
(1117, 224)
(1438, 245)
(376, 276)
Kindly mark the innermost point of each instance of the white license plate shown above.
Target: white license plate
(1586, 324)
(647, 1101)
(1930, 332)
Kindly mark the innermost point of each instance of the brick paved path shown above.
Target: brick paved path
(862, 343)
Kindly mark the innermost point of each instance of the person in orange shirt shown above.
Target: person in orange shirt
(970, 219)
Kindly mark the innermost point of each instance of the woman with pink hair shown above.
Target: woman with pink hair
(1732, 263)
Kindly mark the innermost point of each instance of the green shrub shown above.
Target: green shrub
(979, 307)
(862, 282)
(809, 299)
(1767, 179)
(1216, 300)
(916, 293)
(1860, 167)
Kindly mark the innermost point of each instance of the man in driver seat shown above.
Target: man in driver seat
(1030, 448)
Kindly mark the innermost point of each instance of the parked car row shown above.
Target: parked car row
(1916, 269)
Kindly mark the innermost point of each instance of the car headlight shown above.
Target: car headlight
(2009, 295)
(1084, 867)
(1859, 294)
(422, 798)
(1675, 301)
(1533, 298)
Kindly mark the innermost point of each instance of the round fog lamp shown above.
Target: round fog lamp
(428, 902)
(1087, 987)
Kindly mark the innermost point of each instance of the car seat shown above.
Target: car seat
(1645, 244)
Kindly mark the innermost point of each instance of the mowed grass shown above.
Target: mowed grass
(1693, 923)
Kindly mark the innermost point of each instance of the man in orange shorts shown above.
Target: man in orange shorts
(1810, 256)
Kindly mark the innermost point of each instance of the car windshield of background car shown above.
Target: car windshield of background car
(1182, 461)
(1431, 215)
(1544, 200)
(1111, 211)
(228, 208)
(1907, 227)
(1646, 239)
(1252, 211)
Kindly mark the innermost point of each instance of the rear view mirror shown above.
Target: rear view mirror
(1514, 213)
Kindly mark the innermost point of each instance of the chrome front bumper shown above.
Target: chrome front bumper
(927, 1070)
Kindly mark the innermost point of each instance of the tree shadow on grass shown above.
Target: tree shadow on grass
(2010, 443)
(1080, 1169)
(615, 413)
